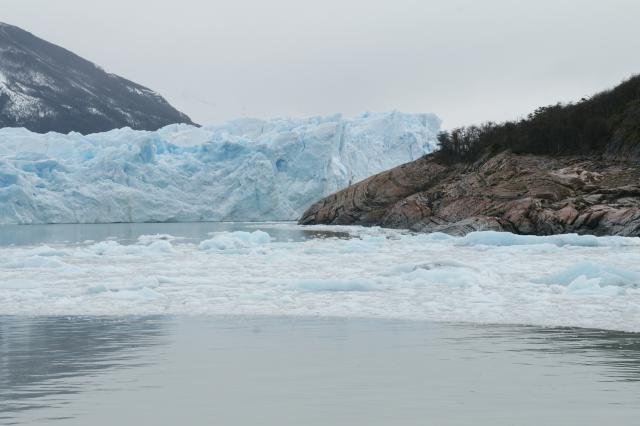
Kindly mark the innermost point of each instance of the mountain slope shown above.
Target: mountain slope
(44, 87)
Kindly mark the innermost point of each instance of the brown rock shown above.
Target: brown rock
(525, 194)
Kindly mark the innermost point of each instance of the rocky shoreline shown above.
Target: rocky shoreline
(523, 194)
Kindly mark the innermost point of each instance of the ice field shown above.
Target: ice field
(485, 277)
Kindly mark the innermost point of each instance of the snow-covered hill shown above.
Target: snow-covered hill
(247, 169)
(44, 87)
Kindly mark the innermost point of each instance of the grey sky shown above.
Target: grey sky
(466, 60)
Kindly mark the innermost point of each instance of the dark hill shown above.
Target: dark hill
(44, 87)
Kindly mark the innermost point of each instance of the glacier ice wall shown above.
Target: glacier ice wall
(243, 170)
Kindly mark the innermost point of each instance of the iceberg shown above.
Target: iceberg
(244, 170)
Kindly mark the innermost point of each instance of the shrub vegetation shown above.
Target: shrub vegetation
(607, 123)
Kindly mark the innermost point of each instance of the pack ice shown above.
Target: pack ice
(243, 170)
(259, 269)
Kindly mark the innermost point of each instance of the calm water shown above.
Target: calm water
(20, 235)
(312, 371)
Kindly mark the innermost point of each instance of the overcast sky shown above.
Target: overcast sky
(466, 60)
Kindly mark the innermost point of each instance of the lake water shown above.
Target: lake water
(276, 324)
(127, 233)
(314, 371)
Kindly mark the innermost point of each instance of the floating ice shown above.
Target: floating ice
(377, 273)
(606, 275)
(136, 288)
(494, 238)
(236, 240)
(334, 285)
(585, 286)
(114, 248)
(37, 261)
(148, 239)
(246, 169)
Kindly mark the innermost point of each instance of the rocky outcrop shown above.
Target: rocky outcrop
(524, 194)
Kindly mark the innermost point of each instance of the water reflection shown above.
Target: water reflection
(617, 351)
(44, 358)
(327, 370)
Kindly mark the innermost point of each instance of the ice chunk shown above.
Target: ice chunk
(36, 262)
(607, 275)
(148, 239)
(362, 245)
(334, 285)
(128, 288)
(46, 251)
(113, 248)
(236, 240)
(494, 238)
(586, 286)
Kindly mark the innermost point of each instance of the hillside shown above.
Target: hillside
(44, 87)
(565, 169)
(607, 123)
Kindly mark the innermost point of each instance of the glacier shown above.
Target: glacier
(243, 170)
